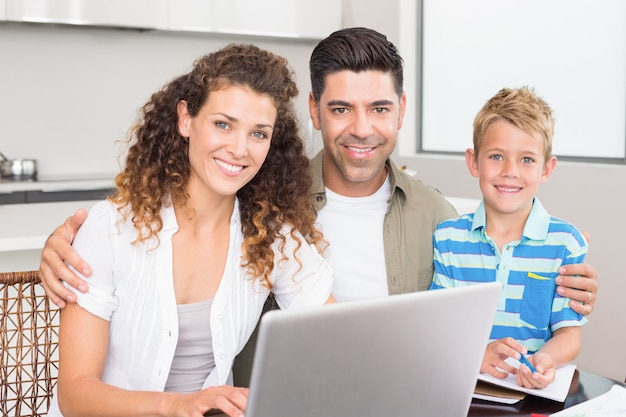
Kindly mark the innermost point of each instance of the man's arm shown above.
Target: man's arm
(580, 283)
(53, 270)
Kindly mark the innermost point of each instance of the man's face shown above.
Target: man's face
(359, 115)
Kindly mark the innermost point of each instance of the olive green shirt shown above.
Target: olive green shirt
(414, 210)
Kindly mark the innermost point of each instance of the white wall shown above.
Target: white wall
(590, 44)
(68, 93)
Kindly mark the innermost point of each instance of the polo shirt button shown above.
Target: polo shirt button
(319, 198)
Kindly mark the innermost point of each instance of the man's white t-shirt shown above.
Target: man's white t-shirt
(353, 226)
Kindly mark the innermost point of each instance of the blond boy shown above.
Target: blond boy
(511, 239)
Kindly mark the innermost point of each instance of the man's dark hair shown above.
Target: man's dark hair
(354, 49)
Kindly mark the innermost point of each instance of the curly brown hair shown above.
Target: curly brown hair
(157, 165)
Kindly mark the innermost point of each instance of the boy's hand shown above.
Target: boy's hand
(544, 376)
(494, 360)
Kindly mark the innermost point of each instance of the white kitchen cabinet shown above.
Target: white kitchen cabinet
(295, 19)
(274, 18)
(143, 14)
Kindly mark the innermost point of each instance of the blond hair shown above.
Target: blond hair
(520, 107)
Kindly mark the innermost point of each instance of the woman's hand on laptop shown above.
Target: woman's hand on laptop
(229, 400)
(494, 360)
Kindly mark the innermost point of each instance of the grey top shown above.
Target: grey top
(193, 359)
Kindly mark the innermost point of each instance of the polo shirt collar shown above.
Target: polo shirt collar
(536, 227)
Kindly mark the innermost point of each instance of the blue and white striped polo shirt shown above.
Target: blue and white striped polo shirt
(530, 310)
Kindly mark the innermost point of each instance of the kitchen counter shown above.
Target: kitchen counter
(24, 229)
(51, 184)
(48, 190)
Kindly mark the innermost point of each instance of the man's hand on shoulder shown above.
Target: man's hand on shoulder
(58, 250)
(580, 283)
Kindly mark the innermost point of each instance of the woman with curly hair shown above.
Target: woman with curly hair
(211, 213)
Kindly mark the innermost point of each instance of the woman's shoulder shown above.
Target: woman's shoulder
(105, 214)
(103, 208)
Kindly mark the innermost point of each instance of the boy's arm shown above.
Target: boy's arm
(561, 349)
(441, 276)
(57, 251)
(564, 345)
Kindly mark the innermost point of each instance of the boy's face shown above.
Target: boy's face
(510, 165)
(359, 115)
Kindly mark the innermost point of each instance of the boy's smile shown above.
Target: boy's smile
(509, 165)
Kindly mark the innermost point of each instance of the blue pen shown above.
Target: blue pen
(526, 362)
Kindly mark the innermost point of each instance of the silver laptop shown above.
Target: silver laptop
(415, 354)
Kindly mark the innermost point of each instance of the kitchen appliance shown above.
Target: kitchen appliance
(18, 169)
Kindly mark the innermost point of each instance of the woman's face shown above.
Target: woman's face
(229, 138)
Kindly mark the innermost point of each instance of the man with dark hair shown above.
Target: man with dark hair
(378, 220)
